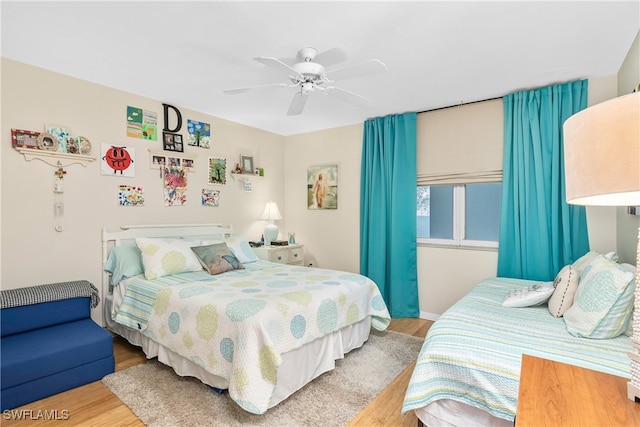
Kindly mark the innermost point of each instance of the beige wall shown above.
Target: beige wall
(33, 252)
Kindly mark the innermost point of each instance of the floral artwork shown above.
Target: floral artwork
(130, 195)
(217, 171)
(175, 186)
(142, 124)
(210, 197)
(198, 133)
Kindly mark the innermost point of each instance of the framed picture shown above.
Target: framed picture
(246, 163)
(24, 138)
(47, 141)
(322, 187)
(160, 159)
(172, 142)
(217, 171)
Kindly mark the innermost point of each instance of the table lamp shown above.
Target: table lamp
(602, 168)
(271, 213)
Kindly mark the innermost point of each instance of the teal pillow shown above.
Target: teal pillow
(603, 303)
(124, 262)
(217, 258)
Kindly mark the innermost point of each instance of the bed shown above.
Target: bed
(467, 372)
(256, 329)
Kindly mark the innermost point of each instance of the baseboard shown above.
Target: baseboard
(429, 316)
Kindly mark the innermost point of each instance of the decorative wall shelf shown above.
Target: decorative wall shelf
(54, 158)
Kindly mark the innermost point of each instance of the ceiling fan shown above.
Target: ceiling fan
(307, 74)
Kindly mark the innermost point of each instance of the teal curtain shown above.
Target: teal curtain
(388, 211)
(539, 232)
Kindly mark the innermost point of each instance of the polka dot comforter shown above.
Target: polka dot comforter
(238, 324)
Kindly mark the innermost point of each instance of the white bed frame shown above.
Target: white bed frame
(298, 367)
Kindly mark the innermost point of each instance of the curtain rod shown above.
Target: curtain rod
(457, 105)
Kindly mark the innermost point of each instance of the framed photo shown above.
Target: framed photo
(246, 163)
(322, 187)
(172, 142)
(160, 159)
(47, 141)
(24, 138)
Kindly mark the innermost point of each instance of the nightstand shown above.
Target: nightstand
(290, 254)
(556, 394)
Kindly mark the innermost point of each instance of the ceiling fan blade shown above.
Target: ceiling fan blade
(248, 88)
(277, 64)
(347, 96)
(371, 66)
(297, 104)
(331, 57)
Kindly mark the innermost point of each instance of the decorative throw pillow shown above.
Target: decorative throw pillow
(165, 257)
(565, 284)
(529, 296)
(217, 258)
(584, 260)
(603, 304)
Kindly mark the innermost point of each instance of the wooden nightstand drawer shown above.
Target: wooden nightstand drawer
(291, 254)
(296, 256)
(279, 255)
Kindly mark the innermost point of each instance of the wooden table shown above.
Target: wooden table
(556, 394)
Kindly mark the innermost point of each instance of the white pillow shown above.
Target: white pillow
(566, 284)
(603, 304)
(241, 249)
(529, 296)
(164, 257)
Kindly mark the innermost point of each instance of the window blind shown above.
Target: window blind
(461, 144)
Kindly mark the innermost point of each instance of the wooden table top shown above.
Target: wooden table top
(556, 394)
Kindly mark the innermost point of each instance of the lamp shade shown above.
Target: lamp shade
(602, 153)
(271, 212)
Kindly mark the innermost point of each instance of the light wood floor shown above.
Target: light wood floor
(94, 405)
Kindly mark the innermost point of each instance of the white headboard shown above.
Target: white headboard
(127, 234)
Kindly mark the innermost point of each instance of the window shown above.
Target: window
(459, 215)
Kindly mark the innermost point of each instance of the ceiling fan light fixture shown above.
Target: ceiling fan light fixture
(307, 87)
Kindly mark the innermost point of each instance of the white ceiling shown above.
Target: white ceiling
(437, 54)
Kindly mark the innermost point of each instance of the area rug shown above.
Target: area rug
(161, 398)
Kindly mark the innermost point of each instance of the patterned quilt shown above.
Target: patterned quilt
(238, 324)
(472, 353)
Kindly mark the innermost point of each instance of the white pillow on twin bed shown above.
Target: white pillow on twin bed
(566, 284)
(164, 257)
(529, 296)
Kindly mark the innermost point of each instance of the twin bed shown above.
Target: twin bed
(258, 329)
(467, 372)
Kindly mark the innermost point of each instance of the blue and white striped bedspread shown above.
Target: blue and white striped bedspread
(472, 353)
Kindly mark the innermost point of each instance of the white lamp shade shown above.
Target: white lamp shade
(271, 212)
(602, 153)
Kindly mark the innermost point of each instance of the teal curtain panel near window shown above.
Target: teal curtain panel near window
(539, 232)
(388, 211)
